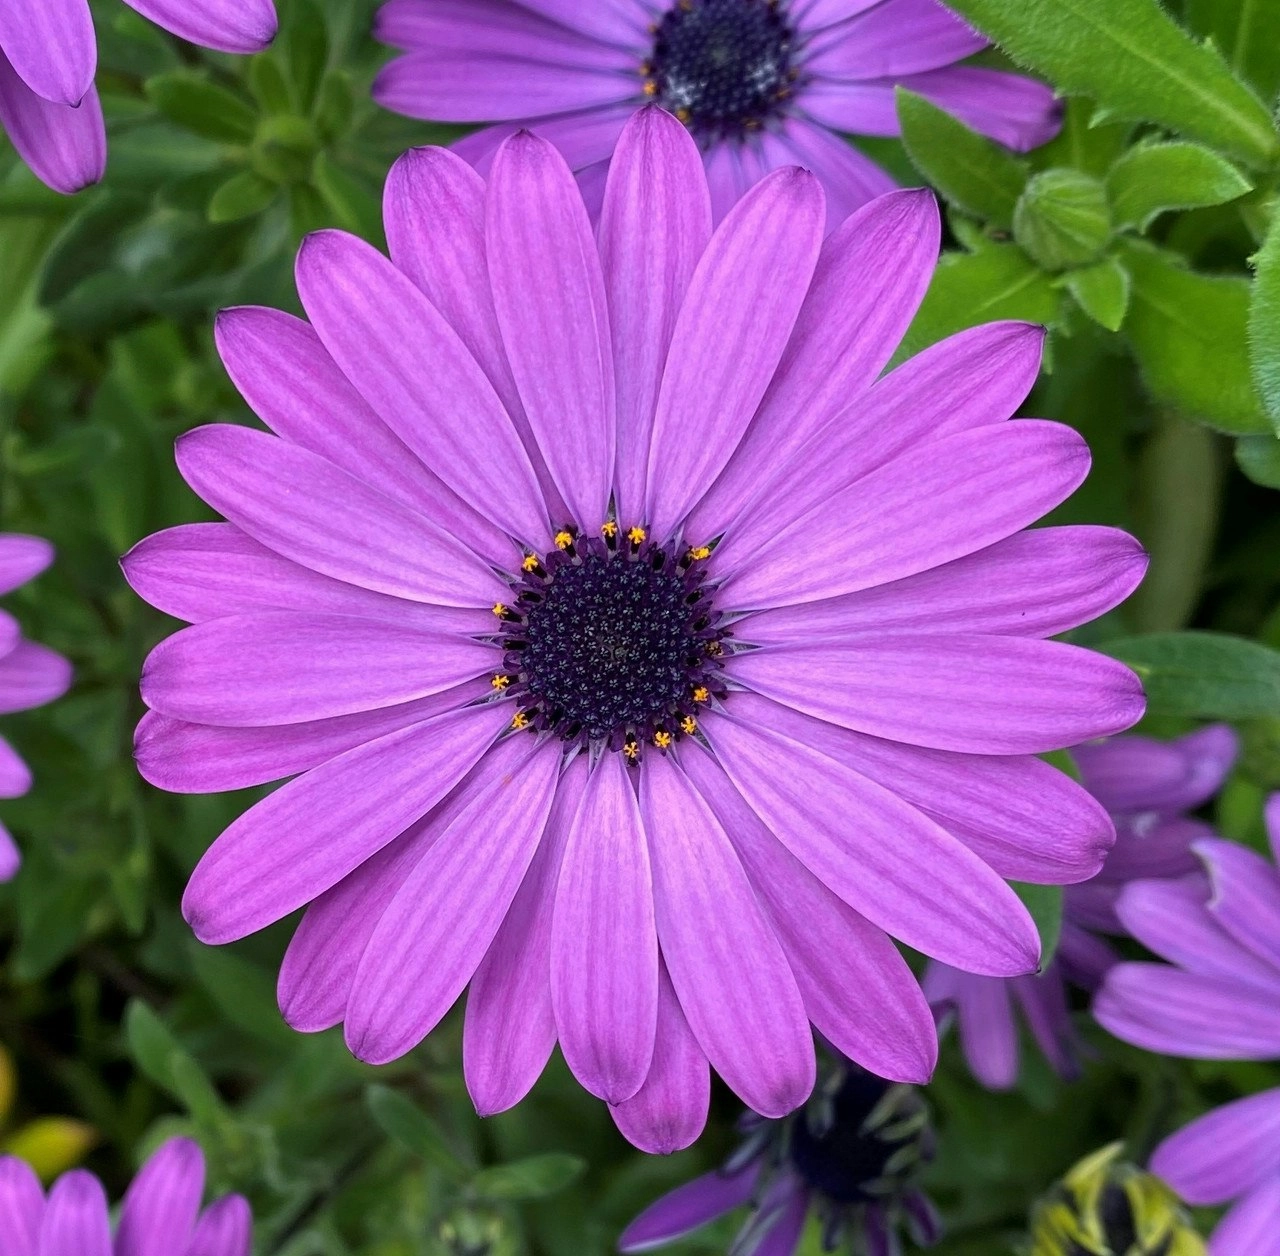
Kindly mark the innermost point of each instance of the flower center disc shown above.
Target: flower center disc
(722, 66)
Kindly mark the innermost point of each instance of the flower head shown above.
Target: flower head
(160, 1213)
(1147, 786)
(30, 674)
(1215, 999)
(48, 56)
(761, 84)
(641, 660)
(850, 1158)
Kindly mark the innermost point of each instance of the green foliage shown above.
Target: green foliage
(1206, 674)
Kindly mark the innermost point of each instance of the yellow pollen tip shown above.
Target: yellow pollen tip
(650, 87)
(702, 694)
(500, 682)
(499, 610)
(689, 724)
(683, 114)
(636, 535)
(699, 552)
(564, 540)
(608, 528)
(662, 739)
(530, 562)
(519, 720)
(631, 748)
(714, 649)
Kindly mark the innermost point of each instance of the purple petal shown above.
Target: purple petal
(251, 671)
(654, 226)
(413, 369)
(938, 502)
(1142, 774)
(1043, 999)
(1272, 813)
(1246, 897)
(669, 1111)
(893, 39)
(857, 988)
(894, 865)
(75, 1217)
(548, 289)
(439, 925)
(9, 633)
(30, 676)
(52, 47)
(15, 776)
(687, 1208)
(848, 176)
(725, 961)
(1184, 1014)
(622, 22)
(161, 1205)
(225, 25)
(65, 145)
(1226, 1153)
(1251, 1226)
(988, 1031)
(791, 1209)
(309, 834)
(510, 1027)
(812, 16)
(1016, 111)
(1038, 583)
(584, 137)
(952, 691)
(869, 281)
(225, 1229)
(1151, 845)
(10, 856)
(733, 328)
(21, 1206)
(22, 558)
(604, 948)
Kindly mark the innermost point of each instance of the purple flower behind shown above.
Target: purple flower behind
(1146, 786)
(160, 1214)
(1218, 998)
(761, 84)
(589, 591)
(48, 56)
(30, 674)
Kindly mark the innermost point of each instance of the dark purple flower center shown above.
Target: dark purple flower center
(722, 66)
(612, 640)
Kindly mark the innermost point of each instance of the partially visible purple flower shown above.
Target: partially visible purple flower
(48, 56)
(849, 1158)
(160, 1214)
(761, 84)
(1218, 998)
(1146, 786)
(30, 674)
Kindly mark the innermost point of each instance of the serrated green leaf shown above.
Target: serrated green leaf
(1264, 322)
(1044, 902)
(1102, 292)
(190, 100)
(241, 196)
(400, 1118)
(1152, 178)
(534, 1178)
(1211, 675)
(1187, 332)
(980, 177)
(1259, 458)
(1135, 61)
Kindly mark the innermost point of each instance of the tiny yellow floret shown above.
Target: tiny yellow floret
(650, 87)
(608, 528)
(499, 609)
(500, 682)
(631, 748)
(564, 539)
(662, 739)
(636, 535)
(519, 720)
(702, 694)
(530, 562)
(689, 724)
(699, 552)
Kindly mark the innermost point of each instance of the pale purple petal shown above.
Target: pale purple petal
(654, 227)
(604, 948)
(725, 961)
(1272, 813)
(733, 327)
(10, 856)
(669, 1111)
(21, 1206)
(859, 108)
(413, 369)
(161, 1205)
(52, 47)
(1018, 112)
(1043, 999)
(1250, 1228)
(727, 177)
(65, 145)
(884, 858)
(30, 676)
(225, 1229)
(849, 177)
(75, 1217)
(309, 834)
(791, 1209)
(687, 1208)
(22, 558)
(510, 1026)
(892, 39)
(15, 776)
(1226, 1153)
(548, 289)
(239, 26)
(952, 691)
(1246, 897)
(812, 16)
(584, 137)
(9, 633)
(1150, 844)
(1143, 774)
(984, 1013)
(439, 925)
(621, 22)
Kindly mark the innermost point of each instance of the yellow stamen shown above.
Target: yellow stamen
(702, 694)
(650, 87)
(499, 610)
(699, 552)
(631, 748)
(662, 739)
(715, 649)
(519, 720)
(608, 528)
(636, 535)
(684, 115)
(689, 724)
(564, 539)
(500, 682)
(530, 562)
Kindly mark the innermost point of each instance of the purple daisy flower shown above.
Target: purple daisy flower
(761, 84)
(850, 1159)
(30, 674)
(1147, 786)
(641, 659)
(48, 56)
(1218, 998)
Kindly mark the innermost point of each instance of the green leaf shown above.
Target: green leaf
(268, 84)
(162, 1058)
(355, 205)
(1135, 61)
(534, 1178)
(190, 100)
(413, 1129)
(1152, 178)
(1187, 331)
(1245, 30)
(1210, 675)
(1259, 458)
(980, 177)
(1044, 902)
(1102, 292)
(304, 39)
(1264, 322)
(241, 196)
(244, 993)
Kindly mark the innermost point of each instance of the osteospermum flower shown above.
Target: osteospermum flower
(759, 83)
(160, 1214)
(850, 1159)
(1218, 998)
(1147, 786)
(30, 674)
(48, 56)
(646, 664)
